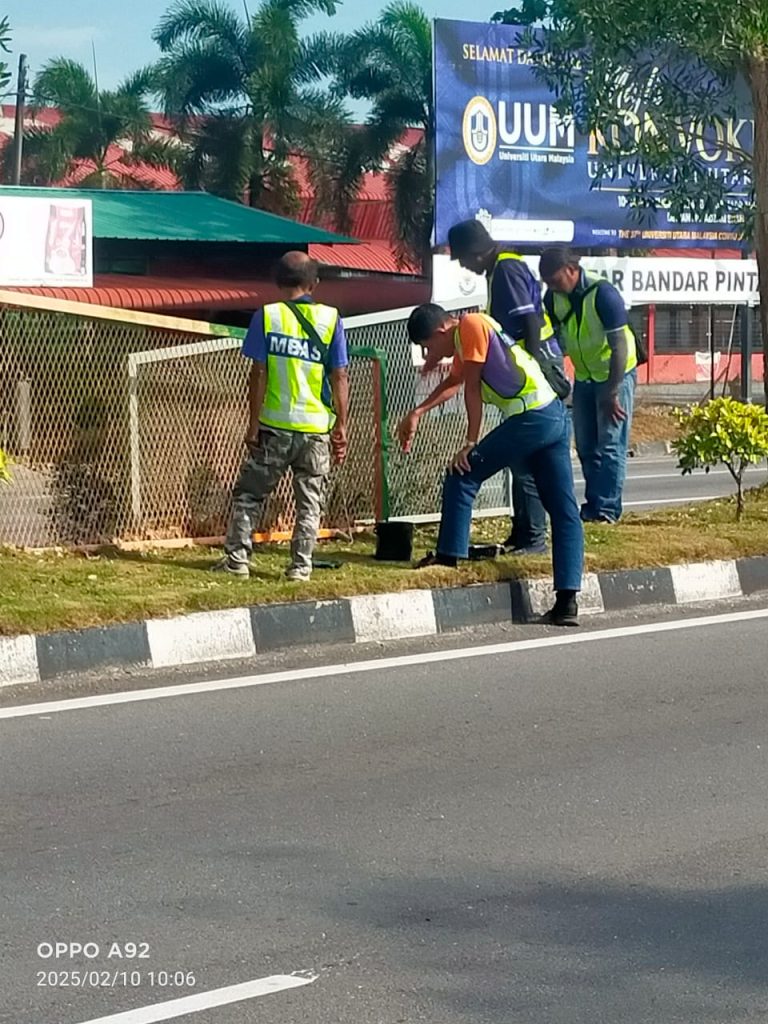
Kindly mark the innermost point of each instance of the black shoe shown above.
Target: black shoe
(598, 519)
(433, 558)
(565, 611)
(512, 546)
(529, 549)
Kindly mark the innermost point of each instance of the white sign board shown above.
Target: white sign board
(662, 280)
(640, 279)
(45, 242)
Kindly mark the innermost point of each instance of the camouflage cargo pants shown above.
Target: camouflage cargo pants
(309, 456)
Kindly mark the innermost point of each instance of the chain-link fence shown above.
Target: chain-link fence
(414, 481)
(128, 425)
(125, 425)
(187, 414)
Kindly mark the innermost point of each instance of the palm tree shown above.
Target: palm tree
(245, 96)
(389, 63)
(91, 125)
(5, 38)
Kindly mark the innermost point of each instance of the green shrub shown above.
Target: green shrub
(5, 466)
(725, 432)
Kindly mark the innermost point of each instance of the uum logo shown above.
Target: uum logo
(534, 126)
(479, 130)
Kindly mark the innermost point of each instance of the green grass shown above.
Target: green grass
(64, 590)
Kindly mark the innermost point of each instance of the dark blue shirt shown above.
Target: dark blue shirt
(608, 303)
(515, 294)
(255, 344)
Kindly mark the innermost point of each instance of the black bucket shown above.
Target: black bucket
(394, 542)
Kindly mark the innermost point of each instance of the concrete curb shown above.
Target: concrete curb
(245, 632)
(648, 449)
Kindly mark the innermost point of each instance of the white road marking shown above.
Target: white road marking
(206, 1000)
(682, 500)
(376, 665)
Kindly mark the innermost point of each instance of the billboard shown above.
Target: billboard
(45, 242)
(504, 156)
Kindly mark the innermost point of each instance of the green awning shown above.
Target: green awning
(183, 217)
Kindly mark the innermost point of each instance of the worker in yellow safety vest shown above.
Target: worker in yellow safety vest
(492, 369)
(591, 320)
(514, 300)
(298, 402)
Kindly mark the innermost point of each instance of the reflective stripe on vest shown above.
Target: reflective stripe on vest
(297, 395)
(535, 392)
(547, 330)
(585, 341)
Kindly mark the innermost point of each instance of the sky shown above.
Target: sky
(121, 31)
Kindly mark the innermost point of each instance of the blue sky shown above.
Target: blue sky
(121, 31)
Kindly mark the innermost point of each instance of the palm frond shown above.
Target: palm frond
(64, 84)
(197, 78)
(46, 157)
(412, 196)
(201, 21)
(320, 57)
(139, 84)
(217, 156)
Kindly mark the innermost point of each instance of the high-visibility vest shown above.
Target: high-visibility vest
(547, 330)
(298, 395)
(585, 339)
(534, 391)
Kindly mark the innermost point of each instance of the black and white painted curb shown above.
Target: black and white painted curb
(246, 632)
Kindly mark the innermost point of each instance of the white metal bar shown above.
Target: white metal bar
(193, 348)
(133, 432)
(130, 316)
(434, 517)
(388, 316)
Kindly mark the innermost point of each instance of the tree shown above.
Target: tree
(657, 81)
(91, 125)
(245, 96)
(5, 38)
(389, 63)
(723, 431)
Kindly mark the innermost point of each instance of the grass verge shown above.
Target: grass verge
(64, 590)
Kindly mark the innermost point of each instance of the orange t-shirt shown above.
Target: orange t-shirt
(474, 336)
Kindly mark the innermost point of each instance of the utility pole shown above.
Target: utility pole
(18, 132)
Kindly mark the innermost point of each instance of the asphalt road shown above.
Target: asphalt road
(656, 482)
(563, 834)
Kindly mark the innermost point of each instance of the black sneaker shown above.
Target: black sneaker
(565, 612)
(433, 558)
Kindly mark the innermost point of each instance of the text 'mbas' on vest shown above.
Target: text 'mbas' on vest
(294, 348)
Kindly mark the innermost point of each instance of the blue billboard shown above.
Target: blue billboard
(505, 157)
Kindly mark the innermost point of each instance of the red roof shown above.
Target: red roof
(125, 291)
(378, 257)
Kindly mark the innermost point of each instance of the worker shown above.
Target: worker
(298, 401)
(514, 301)
(591, 320)
(492, 368)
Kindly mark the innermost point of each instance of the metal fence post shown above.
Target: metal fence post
(133, 428)
(382, 436)
(746, 353)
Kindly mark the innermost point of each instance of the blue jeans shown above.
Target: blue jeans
(529, 520)
(529, 523)
(602, 446)
(539, 440)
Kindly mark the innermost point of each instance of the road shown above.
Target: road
(655, 482)
(562, 834)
